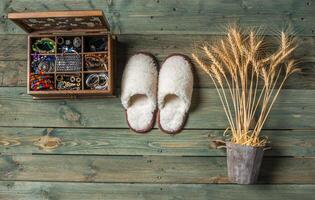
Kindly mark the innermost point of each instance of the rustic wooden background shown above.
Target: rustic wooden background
(99, 158)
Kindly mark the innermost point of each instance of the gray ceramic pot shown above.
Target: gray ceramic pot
(243, 163)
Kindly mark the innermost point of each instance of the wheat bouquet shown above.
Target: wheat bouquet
(247, 78)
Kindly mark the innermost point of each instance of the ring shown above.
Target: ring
(59, 77)
(72, 79)
(60, 40)
(78, 79)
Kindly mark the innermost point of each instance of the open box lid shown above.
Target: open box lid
(83, 20)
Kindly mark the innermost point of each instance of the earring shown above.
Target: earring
(77, 42)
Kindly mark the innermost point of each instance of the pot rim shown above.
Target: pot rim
(229, 143)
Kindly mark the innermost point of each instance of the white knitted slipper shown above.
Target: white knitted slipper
(138, 92)
(174, 93)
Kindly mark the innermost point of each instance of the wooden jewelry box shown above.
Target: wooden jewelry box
(70, 54)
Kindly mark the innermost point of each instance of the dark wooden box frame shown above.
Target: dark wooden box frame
(81, 32)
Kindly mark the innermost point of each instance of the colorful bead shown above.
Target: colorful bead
(41, 64)
(41, 82)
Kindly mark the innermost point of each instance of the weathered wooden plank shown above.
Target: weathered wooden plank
(125, 142)
(21, 190)
(163, 45)
(13, 56)
(148, 169)
(14, 47)
(294, 110)
(77, 191)
(13, 73)
(186, 16)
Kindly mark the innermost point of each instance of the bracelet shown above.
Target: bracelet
(41, 82)
(97, 81)
(96, 61)
(92, 80)
(44, 45)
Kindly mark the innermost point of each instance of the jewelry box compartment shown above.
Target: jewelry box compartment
(71, 81)
(70, 53)
(65, 64)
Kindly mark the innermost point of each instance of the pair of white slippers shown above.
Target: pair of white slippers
(143, 91)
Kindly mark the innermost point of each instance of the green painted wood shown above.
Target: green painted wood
(292, 161)
(193, 17)
(126, 142)
(293, 110)
(13, 73)
(14, 47)
(96, 191)
(13, 57)
(146, 169)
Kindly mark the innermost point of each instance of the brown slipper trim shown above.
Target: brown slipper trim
(150, 127)
(186, 114)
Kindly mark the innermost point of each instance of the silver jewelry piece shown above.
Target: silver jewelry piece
(68, 42)
(92, 80)
(77, 42)
(72, 79)
(97, 81)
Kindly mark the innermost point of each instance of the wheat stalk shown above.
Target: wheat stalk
(237, 68)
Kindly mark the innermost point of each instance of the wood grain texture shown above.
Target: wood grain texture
(125, 142)
(13, 57)
(146, 169)
(294, 110)
(161, 16)
(96, 191)
(14, 47)
(82, 149)
(13, 73)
